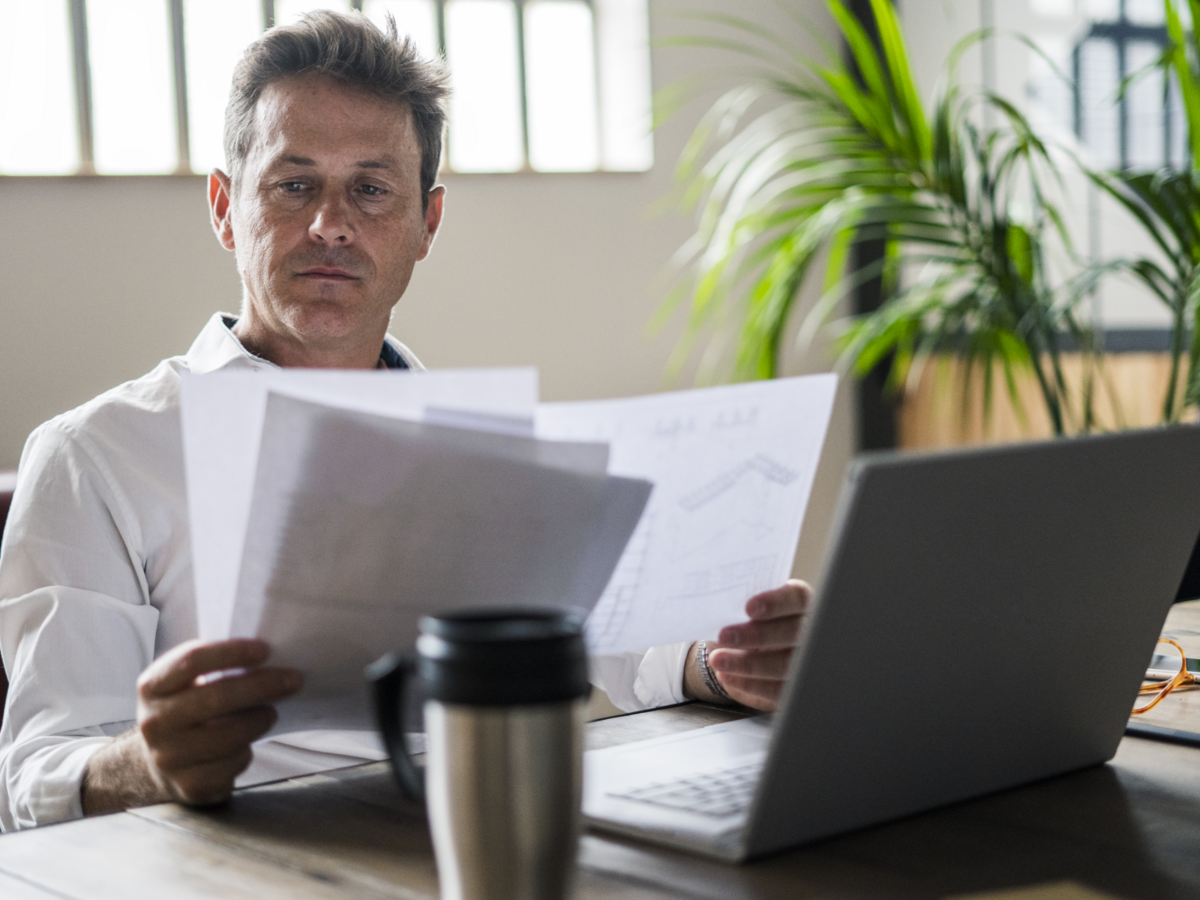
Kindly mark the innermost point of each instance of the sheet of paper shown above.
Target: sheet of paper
(222, 415)
(732, 469)
(359, 524)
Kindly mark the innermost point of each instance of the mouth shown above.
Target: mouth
(327, 273)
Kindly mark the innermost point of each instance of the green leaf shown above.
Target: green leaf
(1020, 249)
(1189, 85)
(901, 75)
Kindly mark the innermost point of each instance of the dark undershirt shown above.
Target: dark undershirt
(389, 356)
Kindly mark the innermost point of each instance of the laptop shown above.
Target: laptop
(983, 620)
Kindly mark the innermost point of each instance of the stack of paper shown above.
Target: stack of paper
(364, 515)
(330, 510)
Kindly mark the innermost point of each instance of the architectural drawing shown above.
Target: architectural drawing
(732, 469)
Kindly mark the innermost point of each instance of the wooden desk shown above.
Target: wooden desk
(1131, 828)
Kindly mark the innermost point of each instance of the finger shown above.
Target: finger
(757, 693)
(768, 634)
(791, 599)
(197, 705)
(179, 667)
(209, 783)
(771, 664)
(222, 738)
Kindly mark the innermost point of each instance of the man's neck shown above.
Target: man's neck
(288, 352)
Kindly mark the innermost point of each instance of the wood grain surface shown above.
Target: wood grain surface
(945, 409)
(1130, 828)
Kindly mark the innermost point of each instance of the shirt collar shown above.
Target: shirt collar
(217, 347)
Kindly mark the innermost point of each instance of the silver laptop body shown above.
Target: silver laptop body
(984, 620)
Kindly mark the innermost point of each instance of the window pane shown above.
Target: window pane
(216, 32)
(560, 86)
(133, 101)
(37, 91)
(485, 108)
(1102, 10)
(1145, 12)
(624, 38)
(416, 18)
(1144, 108)
(1098, 81)
(288, 12)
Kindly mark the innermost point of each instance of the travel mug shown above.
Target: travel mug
(505, 690)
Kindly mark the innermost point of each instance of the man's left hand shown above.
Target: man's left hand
(751, 659)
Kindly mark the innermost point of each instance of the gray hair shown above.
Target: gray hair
(351, 50)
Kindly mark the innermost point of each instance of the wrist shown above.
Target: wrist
(121, 776)
(709, 676)
(696, 686)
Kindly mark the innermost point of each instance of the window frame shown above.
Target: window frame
(84, 119)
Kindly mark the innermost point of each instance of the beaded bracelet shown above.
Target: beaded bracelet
(708, 676)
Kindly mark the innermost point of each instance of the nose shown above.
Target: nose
(331, 223)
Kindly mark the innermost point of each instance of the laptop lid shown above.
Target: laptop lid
(983, 620)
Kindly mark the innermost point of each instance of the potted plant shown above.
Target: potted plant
(811, 157)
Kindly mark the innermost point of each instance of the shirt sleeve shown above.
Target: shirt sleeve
(644, 679)
(76, 625)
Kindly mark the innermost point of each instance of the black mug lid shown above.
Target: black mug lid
(503, 655)
(503, 623)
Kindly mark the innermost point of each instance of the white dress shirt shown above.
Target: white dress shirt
(96, 582)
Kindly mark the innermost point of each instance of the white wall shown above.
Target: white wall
(101, 278)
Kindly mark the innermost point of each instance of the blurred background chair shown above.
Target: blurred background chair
(8, 481)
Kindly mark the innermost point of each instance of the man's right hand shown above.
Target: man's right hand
(194, 732)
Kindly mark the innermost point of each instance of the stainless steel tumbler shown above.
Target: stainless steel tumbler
(504, 721)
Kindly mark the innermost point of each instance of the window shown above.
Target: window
(1144, 128)
(38, 128)
(118, 87)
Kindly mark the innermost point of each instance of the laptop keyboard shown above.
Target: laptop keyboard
(719, 793)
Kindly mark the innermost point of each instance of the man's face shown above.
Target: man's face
(326, 219)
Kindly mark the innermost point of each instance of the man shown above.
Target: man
(333, 137)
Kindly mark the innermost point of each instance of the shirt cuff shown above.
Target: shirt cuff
(45, 788)
(660, 676)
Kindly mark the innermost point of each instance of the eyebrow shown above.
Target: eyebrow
(307, 161)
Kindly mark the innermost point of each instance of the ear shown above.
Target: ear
(433, 218)
(220, 190)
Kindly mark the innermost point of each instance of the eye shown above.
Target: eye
(373, 190)
(293, 187)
